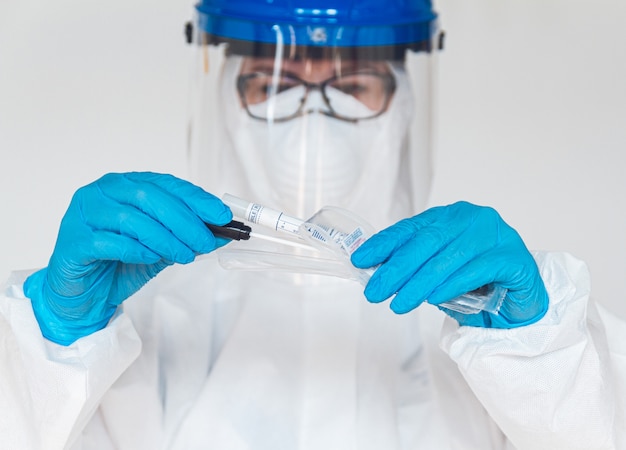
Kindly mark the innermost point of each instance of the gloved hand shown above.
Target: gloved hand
(448, 251)
(118, 233)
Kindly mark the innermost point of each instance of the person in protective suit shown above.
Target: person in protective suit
(299, 105)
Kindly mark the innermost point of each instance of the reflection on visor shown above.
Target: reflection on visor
(352, 96)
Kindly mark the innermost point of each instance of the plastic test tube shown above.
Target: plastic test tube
(262, 215)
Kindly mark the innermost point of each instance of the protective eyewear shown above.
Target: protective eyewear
(372, 91)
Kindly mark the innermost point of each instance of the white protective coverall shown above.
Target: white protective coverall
(203, 358)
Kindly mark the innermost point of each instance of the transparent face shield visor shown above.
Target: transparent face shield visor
(339, 139)
(300, 127)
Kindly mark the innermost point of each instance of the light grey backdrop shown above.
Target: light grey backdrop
(531, 116)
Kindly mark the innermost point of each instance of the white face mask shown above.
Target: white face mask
(315, 160)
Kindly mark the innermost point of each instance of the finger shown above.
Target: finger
(458, 233)
(130, 222)
(163, 207)
(402, 303)
(205, 205)
(437, 273)
(109, 246)
(383, 244)
(407, 260)
(457, 268)
(477, 273)
(420, 289)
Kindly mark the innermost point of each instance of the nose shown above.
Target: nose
(315, 101)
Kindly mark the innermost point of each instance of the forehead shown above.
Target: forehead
(312, 66)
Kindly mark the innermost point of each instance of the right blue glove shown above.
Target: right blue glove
(451, 250)
(117, 234)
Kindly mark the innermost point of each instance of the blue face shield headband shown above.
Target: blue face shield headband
(319, 23)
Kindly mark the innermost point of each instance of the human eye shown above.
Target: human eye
(351, 85)
(368, 88)
(260, 86)
(359, 84)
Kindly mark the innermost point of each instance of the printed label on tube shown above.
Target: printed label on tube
(270, 218)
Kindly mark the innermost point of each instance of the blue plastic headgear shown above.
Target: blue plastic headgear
(339, 23)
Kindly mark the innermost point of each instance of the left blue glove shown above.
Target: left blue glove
(118, 233)
(448, 251)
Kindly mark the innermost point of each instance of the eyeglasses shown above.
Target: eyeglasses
(371, 90)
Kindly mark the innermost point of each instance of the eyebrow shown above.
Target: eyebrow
(267, 65)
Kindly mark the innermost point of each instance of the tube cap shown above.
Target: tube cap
(232, 230)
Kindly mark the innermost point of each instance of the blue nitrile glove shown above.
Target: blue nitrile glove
(118, 233)
(448, 251)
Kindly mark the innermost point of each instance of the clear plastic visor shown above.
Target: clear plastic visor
(299, 128)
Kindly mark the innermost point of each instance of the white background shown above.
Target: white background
(531, 116)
